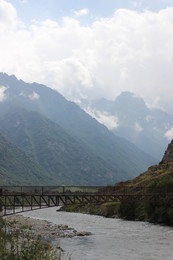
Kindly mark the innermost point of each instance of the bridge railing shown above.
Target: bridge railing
(55, 190)
(41, 190)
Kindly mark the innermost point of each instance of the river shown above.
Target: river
(111, 239)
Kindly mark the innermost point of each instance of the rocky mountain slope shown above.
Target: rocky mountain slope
(157, 176)
(157, 181)
(121, 159)
(168, 155)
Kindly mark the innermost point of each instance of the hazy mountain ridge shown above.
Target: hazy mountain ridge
(120, 157)
(62, 156)
(129, 117)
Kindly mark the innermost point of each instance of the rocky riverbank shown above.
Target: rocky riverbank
(36, 227)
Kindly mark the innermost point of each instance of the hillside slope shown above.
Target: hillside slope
(157, 184)
(148, 197)
(63, 157)
(18, 168)
(125, 160)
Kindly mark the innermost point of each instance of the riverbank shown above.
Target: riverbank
(112, 238)
(156, 212)
(109, 209)
(23, 237)
(46, 230)
(152, 199)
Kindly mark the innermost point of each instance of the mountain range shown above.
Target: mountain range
(129, 117)
(64, 141)
(63, 157)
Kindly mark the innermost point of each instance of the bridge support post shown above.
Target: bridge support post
(5, 203)
(40, 201)
(57, 200)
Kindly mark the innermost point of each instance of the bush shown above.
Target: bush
(127, 209)
(20, 245)
(163, 185)
(109, 209)
(160, 213)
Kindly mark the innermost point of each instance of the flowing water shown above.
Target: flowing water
(111, 239)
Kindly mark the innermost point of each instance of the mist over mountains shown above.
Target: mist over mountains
(62, 139)
(129, 117)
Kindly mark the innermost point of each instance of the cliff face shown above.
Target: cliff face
(168, 156)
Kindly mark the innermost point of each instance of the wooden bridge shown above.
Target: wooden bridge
(16, 199)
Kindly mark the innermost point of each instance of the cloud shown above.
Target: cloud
(148, 118)
(130, 51)
(34, 96)
(138, 127)
(169, 134)
(81, 12)
(8, 16)
(110, 121)
(2, 93)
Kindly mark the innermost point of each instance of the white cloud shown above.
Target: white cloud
(2, 93)
(130, 51)
(34, 96)
(169, 134)
(148, 118)
(81, 12)
(8, 16)
(22, 94)
(138, 127)
(110, 121)
(166, 126)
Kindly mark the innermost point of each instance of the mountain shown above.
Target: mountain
(168, 155)
(120, 156)
(65, 159)
(152, 191)
(18, 168)
(129, 117)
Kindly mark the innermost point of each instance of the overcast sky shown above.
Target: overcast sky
(91, 48)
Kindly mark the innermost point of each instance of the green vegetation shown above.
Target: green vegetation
(152, 211)
(156, 181)
(17, 247)
(62, 158)
(109, 209)
(19, 244)
(83, 208)
(19, 168)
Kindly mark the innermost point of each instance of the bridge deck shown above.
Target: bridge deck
(15, 199)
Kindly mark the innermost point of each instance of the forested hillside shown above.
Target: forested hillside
(18, 168)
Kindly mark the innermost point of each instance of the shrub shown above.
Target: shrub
(127, 209)
(20, 245)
